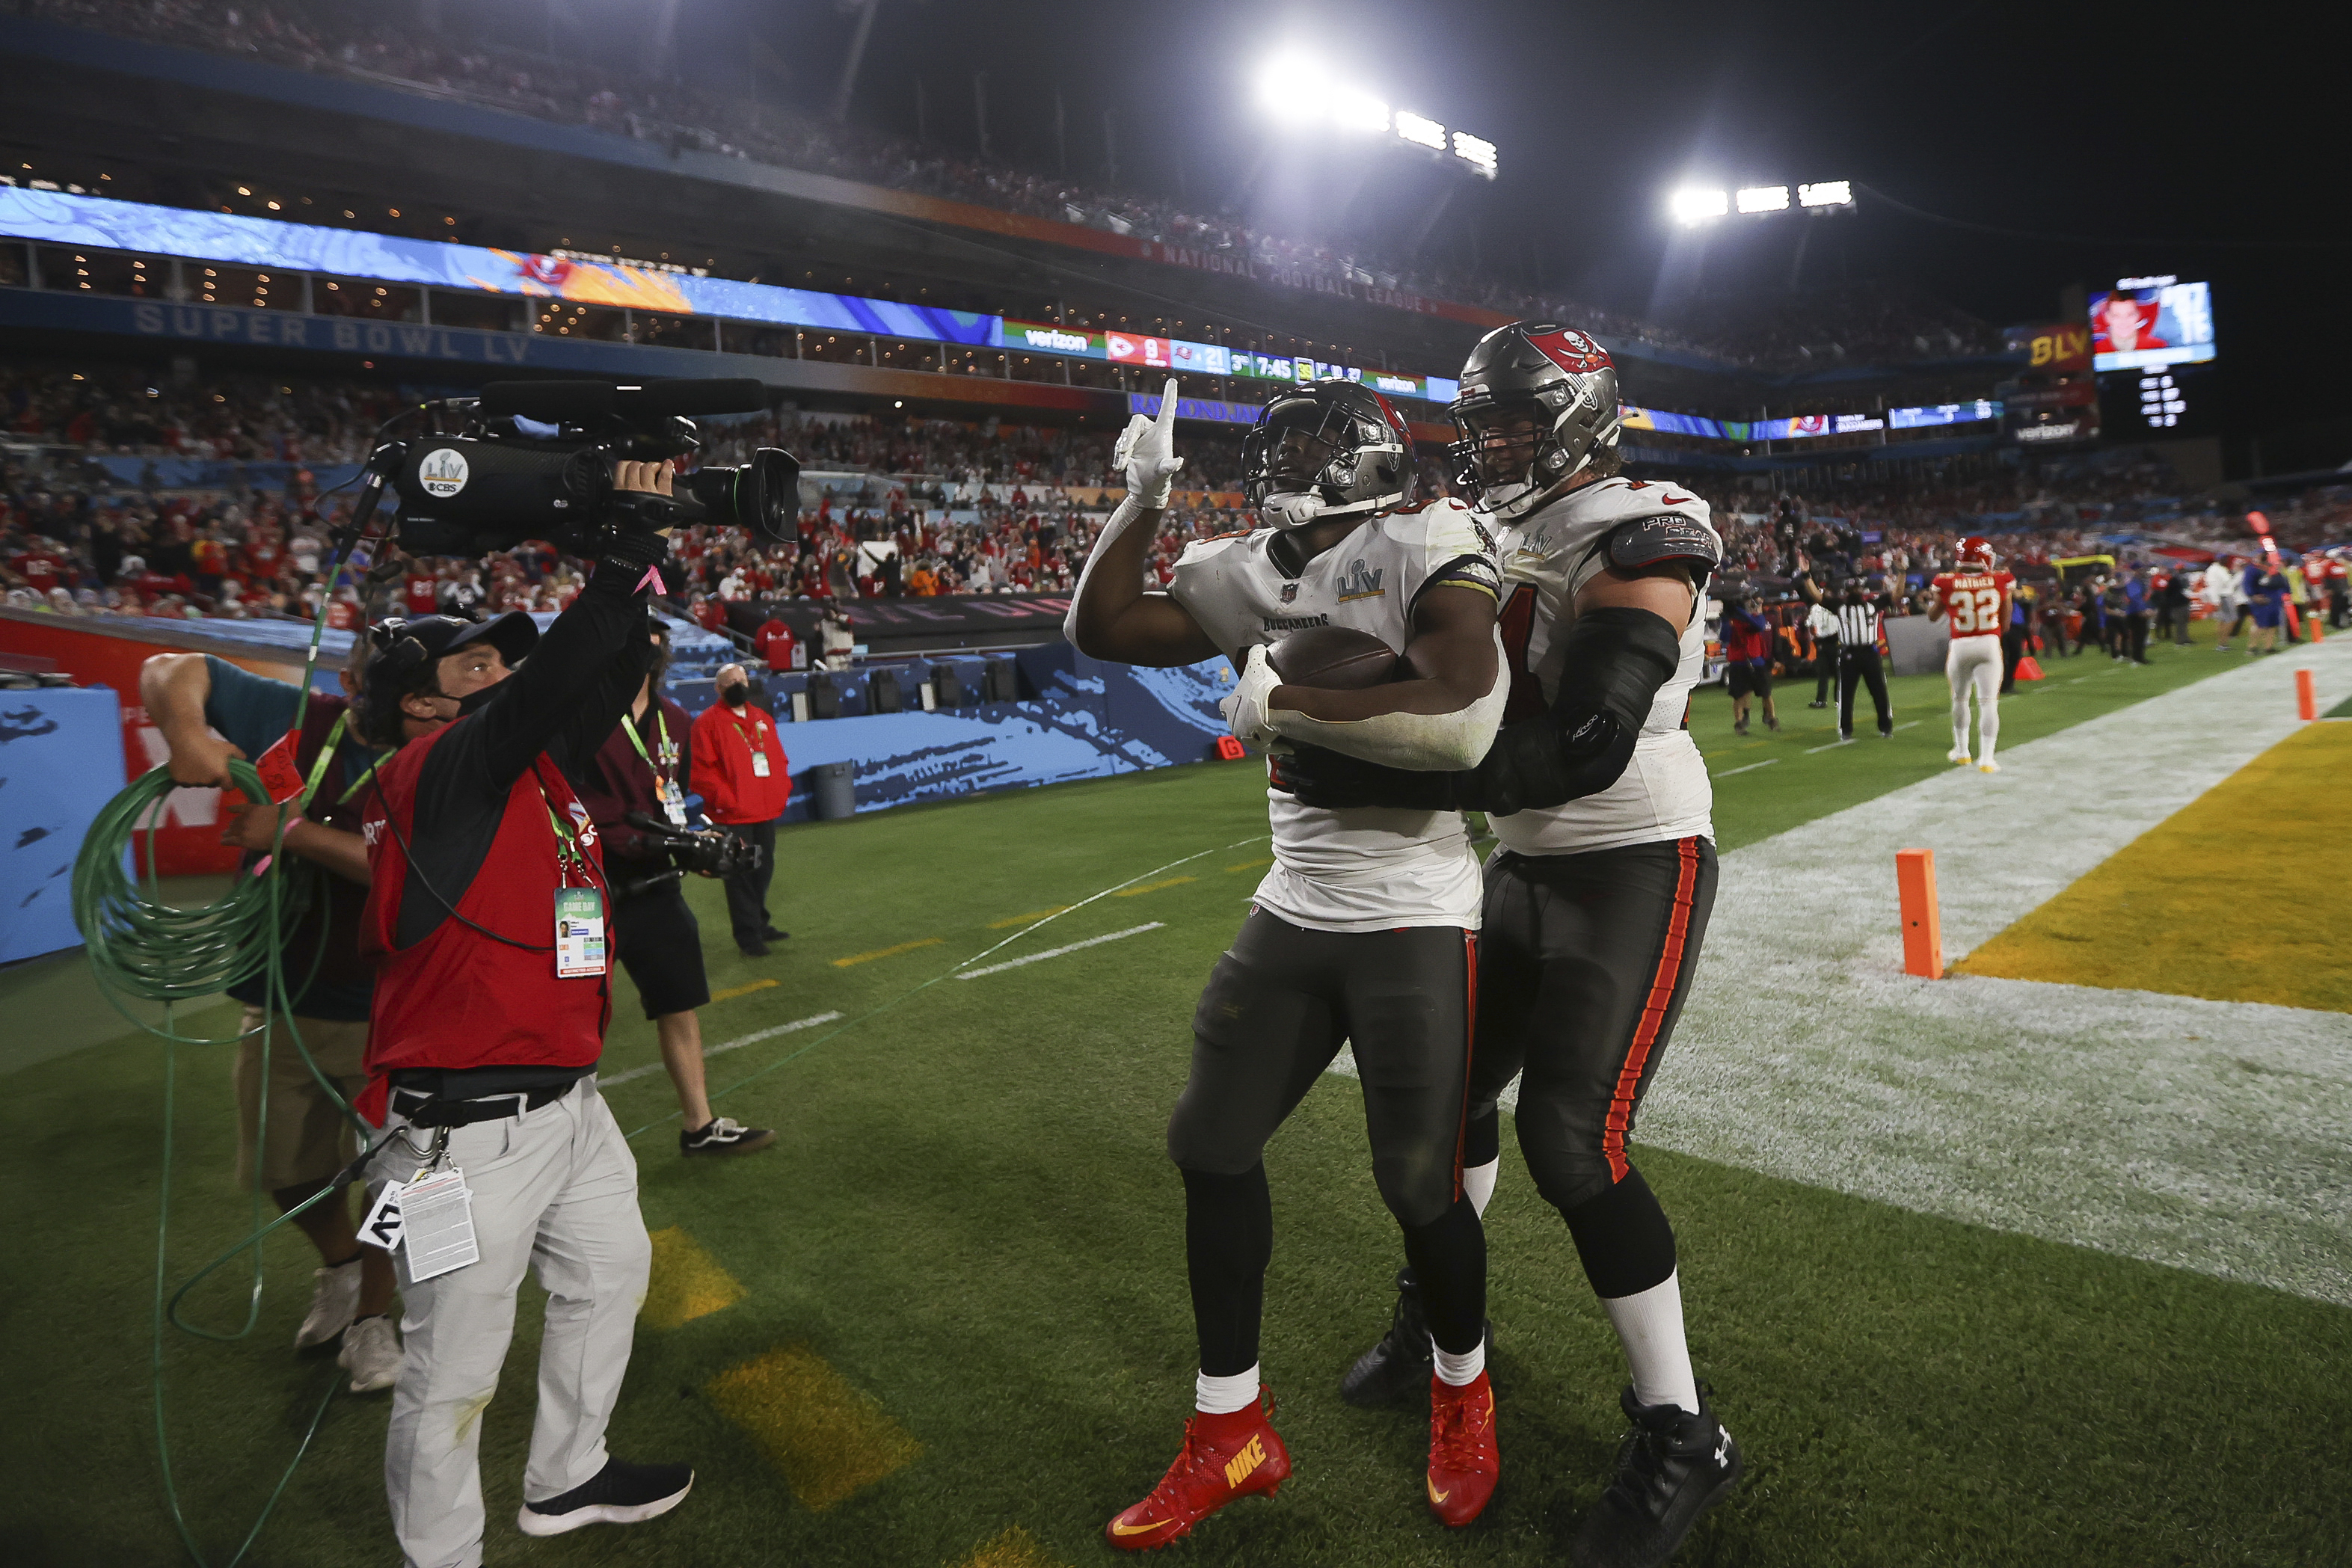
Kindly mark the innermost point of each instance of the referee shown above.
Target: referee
(1859, 615)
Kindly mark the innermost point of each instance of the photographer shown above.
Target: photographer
(209, 711)
(641, 771)
(487, 917)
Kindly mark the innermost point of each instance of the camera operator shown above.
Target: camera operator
(641, 770)
(487, 916)
(209, 711)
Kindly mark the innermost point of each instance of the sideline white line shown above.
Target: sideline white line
(1750, 768)
(1913, 725)
(1057, 952)
(738, 1043)
(1832, 745)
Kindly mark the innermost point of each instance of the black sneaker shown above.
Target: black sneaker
(724, 1136)
(1671, 1468)
(770, 934)
(1404, 1360)
(1817, 705)
(752, 949)
(622, 1493)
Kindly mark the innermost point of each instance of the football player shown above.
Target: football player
(1597, 894)
(1975, 597)
(1364, 931)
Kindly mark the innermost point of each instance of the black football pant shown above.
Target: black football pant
(2012, 651)
(1825, 664)
(1278, 1008)
(1587, 961)
(747, 891)
(1862, 664)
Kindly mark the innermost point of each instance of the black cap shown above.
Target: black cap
(514, 634)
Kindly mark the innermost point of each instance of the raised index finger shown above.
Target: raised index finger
(1168, 407)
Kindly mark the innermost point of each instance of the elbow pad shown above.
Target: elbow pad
(1614, 658)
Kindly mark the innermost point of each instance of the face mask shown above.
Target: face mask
(735, 696)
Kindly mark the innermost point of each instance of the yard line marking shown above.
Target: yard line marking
(887, 952)
(829, 1439)
(1029, 919)
(732, 992)
(1750, 768)
(1153, 886)
(738, 1043)
(1251, 865)
(1057, 952)
(2076, 680)
(1913, 725)
(1811, 749)
(687, 1283)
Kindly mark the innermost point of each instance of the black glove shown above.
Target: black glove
(1332, 780)
(631, 545)
(705, 852)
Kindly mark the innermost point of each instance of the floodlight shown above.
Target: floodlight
(1420, 133)
(1475, 152)
(1292, 86)
(1827, 194)
(1695, 204)
(1353, 110)
(1764, 199)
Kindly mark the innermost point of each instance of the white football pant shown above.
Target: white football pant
(1973, 664)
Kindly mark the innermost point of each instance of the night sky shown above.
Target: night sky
(2117, 142)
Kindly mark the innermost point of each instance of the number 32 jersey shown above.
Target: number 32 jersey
(1975, 602)
(1372, 868)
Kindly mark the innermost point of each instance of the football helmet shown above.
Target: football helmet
(1537, 407)
(1976, 550)
(1328, 449)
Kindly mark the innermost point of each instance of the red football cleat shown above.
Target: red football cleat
(1223, 1458)
(1463, 1463)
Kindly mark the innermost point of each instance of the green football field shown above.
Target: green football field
(945, 1322)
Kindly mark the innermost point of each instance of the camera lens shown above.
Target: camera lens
(763, 496)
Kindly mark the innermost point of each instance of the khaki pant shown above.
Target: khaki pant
(554, 1191)
(308, 1140)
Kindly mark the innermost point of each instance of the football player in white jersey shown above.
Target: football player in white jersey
(1975, 597)
(1597, 894)
(1365, 930)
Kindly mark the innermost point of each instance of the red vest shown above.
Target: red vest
(459, 999)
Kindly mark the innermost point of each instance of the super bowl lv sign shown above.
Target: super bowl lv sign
(2060, 346)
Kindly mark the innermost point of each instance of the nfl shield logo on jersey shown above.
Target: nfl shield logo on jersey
(1290, 593)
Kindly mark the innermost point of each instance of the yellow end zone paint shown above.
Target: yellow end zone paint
(1016, 1548)
(2240, 896)
(1030, 918)
(827, 1438)
(1251, 865)
(688, 1282)
(732, 992)
(1154, 886)
(887, 952)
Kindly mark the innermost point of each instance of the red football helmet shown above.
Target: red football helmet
(1976, 550)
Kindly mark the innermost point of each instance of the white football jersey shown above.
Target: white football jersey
(1665, 793)
(1375, 868)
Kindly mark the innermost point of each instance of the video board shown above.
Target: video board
(2144, 322)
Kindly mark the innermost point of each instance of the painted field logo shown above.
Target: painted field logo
(443, 472)
(1239, 1467)
(1360, 584)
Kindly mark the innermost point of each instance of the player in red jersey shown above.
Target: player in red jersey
(1974, 597)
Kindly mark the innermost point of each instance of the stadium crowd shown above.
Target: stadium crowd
(1858, 323)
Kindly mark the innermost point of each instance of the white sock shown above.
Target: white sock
(1649, 1326)
(1224, 1395)
(1478, 1184)
(1457, 1370)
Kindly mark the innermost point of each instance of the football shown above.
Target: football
(1333, 658)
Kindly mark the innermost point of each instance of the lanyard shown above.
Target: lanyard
(661, 741)
(327, 755)
(569, 856)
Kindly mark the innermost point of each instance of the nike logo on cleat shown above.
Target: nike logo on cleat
(1119, 1529)
(1238, 1468)
(1436, 1496)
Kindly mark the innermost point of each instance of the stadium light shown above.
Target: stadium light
(1764, 199)
(1695, 204)
(1412, 128)
(1303, 90)
(1475, 152)
(1353, 110)
(1826, 194)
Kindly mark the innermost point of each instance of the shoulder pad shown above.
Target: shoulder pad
(1668, 536)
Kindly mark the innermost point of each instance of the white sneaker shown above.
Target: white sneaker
(1958, 754)
(371, 1354)
(1988, 765)
(335, 1302)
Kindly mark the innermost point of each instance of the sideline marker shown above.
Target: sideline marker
(1923, 930)
(2306, 696)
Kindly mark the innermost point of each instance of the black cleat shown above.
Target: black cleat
(1671, 1468)
(1403, 1361)
(770, 933)
(724, 1136)
(621, 1493)
(1817, 705)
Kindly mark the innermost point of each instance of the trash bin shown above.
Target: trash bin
(833, 791)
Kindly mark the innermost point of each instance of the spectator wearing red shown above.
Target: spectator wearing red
(738, 766)
(777, 645)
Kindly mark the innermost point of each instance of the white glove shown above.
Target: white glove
(1147, 452)
(1245, 710)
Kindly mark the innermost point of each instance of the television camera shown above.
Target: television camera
(720, 854)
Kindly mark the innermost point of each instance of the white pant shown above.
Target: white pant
(556, 1190)
(1973, 664)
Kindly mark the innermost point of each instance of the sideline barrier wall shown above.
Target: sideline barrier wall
(60, 762)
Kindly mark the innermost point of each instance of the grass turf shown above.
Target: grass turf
(972, 1226)
(2145, 919)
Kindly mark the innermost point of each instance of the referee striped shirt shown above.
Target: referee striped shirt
(1858, 624)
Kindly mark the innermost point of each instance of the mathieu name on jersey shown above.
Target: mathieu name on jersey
(1975, 602)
